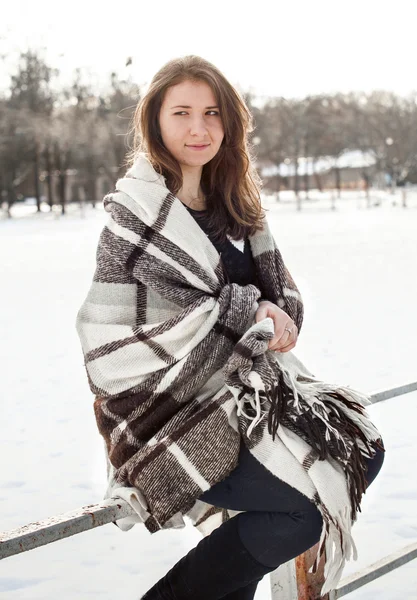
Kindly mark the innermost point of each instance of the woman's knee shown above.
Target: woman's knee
(273, 538)
(307, 534)
(374, 465)
(311, 531)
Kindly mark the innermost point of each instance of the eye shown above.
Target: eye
(216, 113)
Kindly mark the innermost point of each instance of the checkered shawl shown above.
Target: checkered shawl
(181, 373)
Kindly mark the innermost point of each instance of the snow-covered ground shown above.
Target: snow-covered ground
(356, 269)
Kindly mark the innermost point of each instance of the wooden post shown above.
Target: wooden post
(293, 582)
(310, 584)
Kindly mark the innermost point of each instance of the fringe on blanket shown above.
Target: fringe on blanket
(331, 418)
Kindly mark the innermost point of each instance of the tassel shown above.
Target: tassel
(279, 396)
(323, 418)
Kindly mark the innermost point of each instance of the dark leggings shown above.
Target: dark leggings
(280, 524)
(277, 512)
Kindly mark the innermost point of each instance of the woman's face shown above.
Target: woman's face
(188, 117)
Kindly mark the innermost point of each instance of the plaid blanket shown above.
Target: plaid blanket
(181, 373)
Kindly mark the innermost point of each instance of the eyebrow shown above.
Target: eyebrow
(182, 106)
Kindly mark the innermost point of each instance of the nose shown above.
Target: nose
(198, 126)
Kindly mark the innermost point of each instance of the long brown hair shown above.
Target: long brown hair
(229, 181)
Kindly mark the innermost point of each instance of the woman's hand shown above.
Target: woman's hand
(283, 340)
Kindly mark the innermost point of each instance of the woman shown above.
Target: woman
(187, 331)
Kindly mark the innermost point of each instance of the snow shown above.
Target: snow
(349, 159)
(356, 270)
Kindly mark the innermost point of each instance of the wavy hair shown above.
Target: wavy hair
(229, 180)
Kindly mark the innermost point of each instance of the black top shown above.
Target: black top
(236, 255)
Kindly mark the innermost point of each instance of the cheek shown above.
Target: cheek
(168, 127)
(170, 134)
(176, 131)
(219, 129)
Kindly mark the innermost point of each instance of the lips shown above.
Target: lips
(197, 145)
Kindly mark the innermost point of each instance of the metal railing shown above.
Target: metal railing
(290, 580)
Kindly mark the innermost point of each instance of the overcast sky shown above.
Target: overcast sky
(290, 48)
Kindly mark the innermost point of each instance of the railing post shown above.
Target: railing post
(292, 580)
(284, 582)
(310, 584)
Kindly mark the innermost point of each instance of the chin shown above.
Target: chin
(197, 160)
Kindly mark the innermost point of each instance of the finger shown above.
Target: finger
(287, 348)
(278, 334)
(286, 339)
(286, 336)
(261, 313)
(293, 336)
(281, 342)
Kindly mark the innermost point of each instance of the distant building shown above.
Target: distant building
(354, 167)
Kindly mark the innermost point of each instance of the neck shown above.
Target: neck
(191, 192)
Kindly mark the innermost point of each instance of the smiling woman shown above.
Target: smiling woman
(197, 392)
(193, 136)
(203, 150)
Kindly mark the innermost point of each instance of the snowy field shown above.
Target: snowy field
(356, 270)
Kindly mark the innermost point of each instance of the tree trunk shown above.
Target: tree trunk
(297, 183)
(306, 182)
(393, 184)
(305, 176)
(82, 197)
(36, 177)
(279, 181)
(62, 160)
(48, 164)
(393, 188)
(62, 189)
(91, 188)
(11, 197)
(111, 176)
(317, 180)
(337, 180)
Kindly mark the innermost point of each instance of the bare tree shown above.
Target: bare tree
(31, 94)
(115, 111)
(386, 126)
